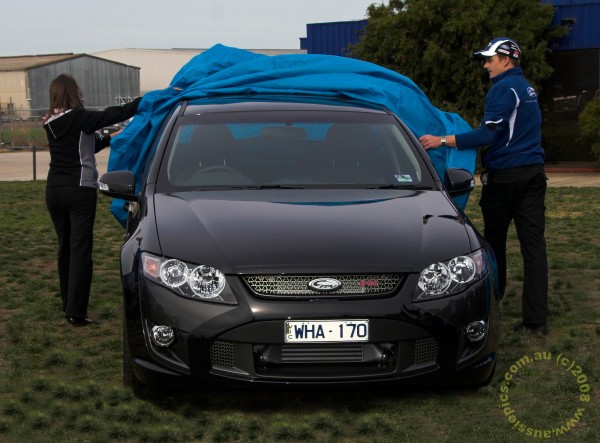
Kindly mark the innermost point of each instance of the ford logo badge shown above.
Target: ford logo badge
(325, 284)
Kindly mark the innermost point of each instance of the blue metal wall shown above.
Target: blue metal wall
(332, 38)
(583, 19)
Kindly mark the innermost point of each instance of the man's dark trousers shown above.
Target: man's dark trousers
(518, 194)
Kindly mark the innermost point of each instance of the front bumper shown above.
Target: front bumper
(409, 342)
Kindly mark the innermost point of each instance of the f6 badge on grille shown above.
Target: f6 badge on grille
(324, 284)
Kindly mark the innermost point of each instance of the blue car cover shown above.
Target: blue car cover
(225, 70)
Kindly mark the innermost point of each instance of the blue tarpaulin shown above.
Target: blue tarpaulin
(225, 70)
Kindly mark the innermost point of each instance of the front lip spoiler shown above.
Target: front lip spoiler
(156, 375)
(152, 374)
(156, 368)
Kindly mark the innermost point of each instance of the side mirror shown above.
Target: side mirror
(459, 181)
(118, 184)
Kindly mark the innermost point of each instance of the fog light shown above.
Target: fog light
(476, 331)
(163, 336)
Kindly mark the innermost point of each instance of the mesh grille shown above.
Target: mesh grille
(425, 351)
(322, 354)
(297, 285)
(222, 353)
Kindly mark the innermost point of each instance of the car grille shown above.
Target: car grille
(352, 285)
(223, 354)
(322, 354)
(425, 351)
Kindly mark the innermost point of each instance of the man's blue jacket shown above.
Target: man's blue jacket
(510, 125)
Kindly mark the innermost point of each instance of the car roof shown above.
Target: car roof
(260, 102)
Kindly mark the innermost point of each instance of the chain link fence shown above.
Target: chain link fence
(23, 128)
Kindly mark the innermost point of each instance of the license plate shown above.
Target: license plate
(326, 331)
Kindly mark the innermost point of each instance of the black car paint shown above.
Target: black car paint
(268, 215)
(325, 238)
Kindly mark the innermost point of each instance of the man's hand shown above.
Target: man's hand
(430, 141)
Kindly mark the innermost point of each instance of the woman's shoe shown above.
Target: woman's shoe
(77, 321)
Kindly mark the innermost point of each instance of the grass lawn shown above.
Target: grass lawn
(23, 134)
(63, 384)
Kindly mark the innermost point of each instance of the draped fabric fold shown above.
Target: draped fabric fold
(223, 70)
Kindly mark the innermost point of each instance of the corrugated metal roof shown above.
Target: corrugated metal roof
(25, 62)
(21, 63)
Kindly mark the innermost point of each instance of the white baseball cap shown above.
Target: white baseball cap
(501, 45)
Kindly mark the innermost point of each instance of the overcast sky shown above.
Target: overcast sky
(86, 26)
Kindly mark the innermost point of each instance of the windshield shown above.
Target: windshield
(290, 149)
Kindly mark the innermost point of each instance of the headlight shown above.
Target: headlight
(200, 282)
(173, 273)
(206, 282)
(451, 277)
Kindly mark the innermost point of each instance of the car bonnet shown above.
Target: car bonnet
(316, 231)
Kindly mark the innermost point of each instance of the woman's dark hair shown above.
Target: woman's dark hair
(65, 93)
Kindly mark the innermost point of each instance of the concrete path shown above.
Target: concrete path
(18, 166)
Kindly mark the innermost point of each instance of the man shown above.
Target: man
(513, 178)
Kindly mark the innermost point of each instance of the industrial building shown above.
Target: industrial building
(113, 76)
(575, 81)
(106, 77)
(159, 66)
(24, 82)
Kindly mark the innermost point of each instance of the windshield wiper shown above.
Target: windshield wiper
(410, 187)
(276, 187)
(245, 187)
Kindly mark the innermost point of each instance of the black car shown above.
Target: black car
(299, 240)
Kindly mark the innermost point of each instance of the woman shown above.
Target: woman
(71, 188)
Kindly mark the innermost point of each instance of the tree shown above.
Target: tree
(589, 124)
(432, 42)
